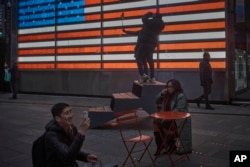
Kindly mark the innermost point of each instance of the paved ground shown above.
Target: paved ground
(214, 133)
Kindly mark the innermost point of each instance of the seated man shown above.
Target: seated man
(63, 141)
(172, 98)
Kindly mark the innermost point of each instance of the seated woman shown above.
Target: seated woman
(172, 98)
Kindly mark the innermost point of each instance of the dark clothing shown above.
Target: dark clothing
(147, 51)
(63, 149)
(14, 72)
(205, 72)
(14, 81)
(14, 85)
(146, 42)
(138, 39)
(152, 26)
(206, 80)
(6, 84)
(206, 92)
(177, 102)
(148, 39)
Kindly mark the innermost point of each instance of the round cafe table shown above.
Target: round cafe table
(172, 117)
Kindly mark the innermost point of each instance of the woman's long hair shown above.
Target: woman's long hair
(177, 85)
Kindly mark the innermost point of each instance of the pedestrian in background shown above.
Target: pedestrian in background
(206, 80)
(14, 81)
(7, 78)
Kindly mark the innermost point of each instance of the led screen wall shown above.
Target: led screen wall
(87, 34)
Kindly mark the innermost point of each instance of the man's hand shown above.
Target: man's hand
(92, 158)
(84, 126)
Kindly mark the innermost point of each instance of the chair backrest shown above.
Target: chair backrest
(127, 119)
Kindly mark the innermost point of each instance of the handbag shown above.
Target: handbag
(7, 75)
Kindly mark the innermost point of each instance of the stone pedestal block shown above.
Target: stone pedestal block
(100, 115)
(186, 137)
(124, 101)
(147, 93)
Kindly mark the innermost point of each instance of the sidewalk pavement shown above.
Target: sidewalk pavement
(214, 132)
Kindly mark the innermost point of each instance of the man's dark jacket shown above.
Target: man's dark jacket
(148, 35)
(14, 72)
(152, 26)
(205, 72)
(62, 150)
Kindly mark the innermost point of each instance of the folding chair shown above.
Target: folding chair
(135, 142)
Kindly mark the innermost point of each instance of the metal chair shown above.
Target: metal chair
(135, 142)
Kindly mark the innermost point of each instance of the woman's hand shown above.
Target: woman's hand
(164, 92)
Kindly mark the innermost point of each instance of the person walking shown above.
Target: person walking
(7, 78)
(206, 80)
(14, 81)
(146, 42)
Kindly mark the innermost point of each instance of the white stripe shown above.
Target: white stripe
(130, 5)
(117, 23)
(36, 44)
(36, 30)
(120, 40)
(36, 59)
(162, 2)
(168, 19)
(192, 36)
(108, 57)
(191, 55)
(79, 58)
(126, 22)
(96, 41)
(94, 9)
(194, 17)
(118, 57)
(79, 26)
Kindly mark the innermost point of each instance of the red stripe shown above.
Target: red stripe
(92, 2)
(28, 52)
(195, 7)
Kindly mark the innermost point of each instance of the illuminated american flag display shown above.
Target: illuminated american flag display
(34, 13)
(87, 34)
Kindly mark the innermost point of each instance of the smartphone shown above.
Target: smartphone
(85, 114)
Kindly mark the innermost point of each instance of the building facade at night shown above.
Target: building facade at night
(78, 46)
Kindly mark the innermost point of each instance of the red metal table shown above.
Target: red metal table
(172, 117)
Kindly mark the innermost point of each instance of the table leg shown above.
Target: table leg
(166, 136)
(175, 132)
(179, 137)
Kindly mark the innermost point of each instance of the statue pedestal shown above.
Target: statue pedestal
(147, 93)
